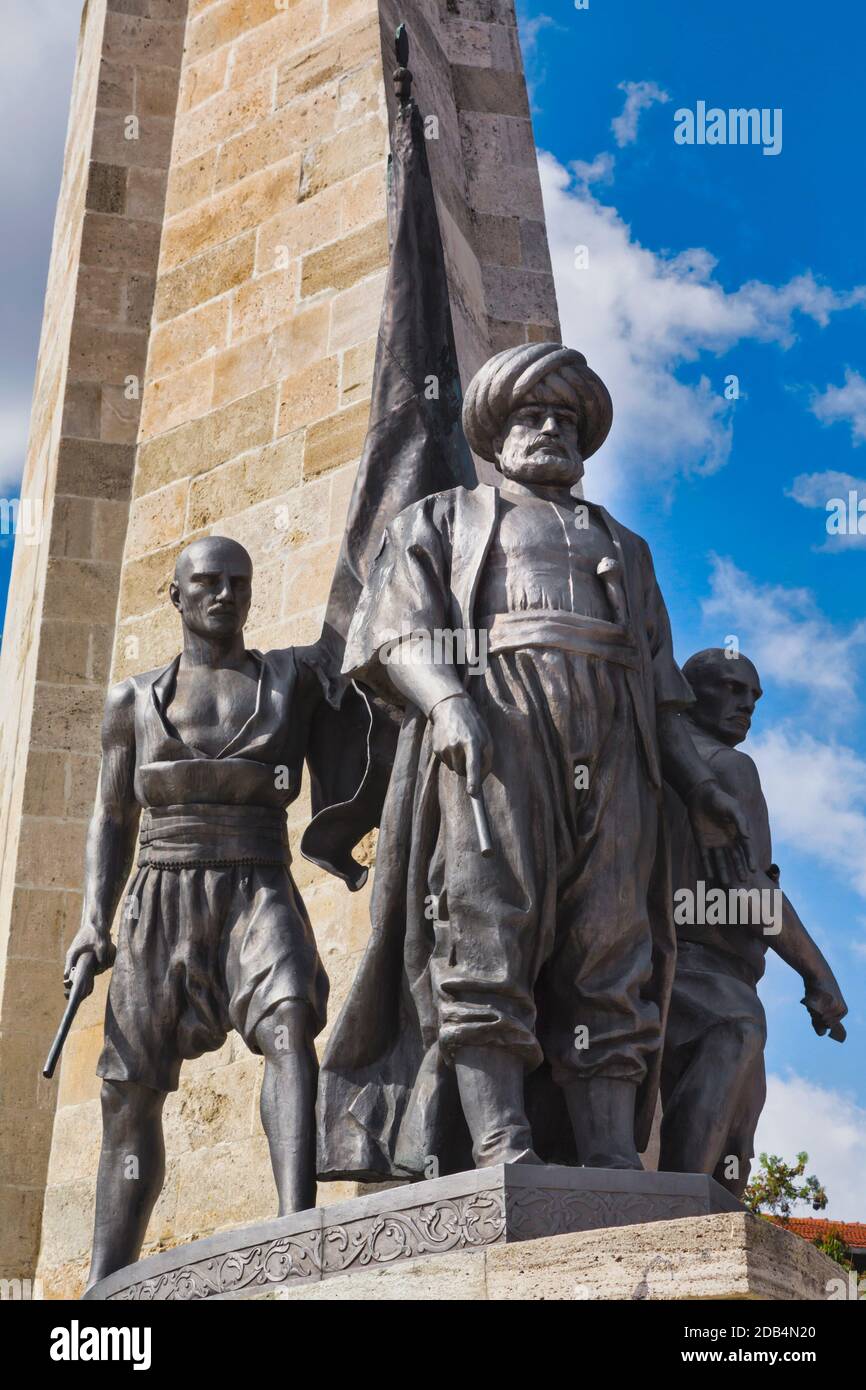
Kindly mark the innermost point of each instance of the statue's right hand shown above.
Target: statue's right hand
(88, 939)
(461, 739)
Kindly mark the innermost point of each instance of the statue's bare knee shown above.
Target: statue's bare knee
(128, 1105)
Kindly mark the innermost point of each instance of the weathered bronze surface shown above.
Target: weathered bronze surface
(511, 1007)
(713, 1084)
(199, 761)
(496, 664)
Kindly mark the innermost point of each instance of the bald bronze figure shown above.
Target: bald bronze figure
(199, 761)
(713, 1084)
(510, 1005)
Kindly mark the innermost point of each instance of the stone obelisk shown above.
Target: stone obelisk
(215, 286)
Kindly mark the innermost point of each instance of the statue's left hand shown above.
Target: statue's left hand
(722, 833)
(826, 1006)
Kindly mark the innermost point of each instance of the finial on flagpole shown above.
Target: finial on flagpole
(402, 75)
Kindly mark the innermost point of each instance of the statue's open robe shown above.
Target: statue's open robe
(570, 923)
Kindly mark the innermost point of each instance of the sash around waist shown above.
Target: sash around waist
(571, 632)
(211, 833)
(216, 781)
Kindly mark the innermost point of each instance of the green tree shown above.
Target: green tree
(833, 1245)
(778, 1186)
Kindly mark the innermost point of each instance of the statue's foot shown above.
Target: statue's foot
(523, 1156)
(621, 1161)
(602, 1109)
(507, 1153)
(490, 1080)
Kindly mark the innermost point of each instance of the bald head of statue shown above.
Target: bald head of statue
(212, 587)
(538, 412)
(727, 687)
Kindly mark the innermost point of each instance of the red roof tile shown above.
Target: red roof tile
(853, 1233)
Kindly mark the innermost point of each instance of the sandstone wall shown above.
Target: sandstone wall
(259, 350)
(60, 621)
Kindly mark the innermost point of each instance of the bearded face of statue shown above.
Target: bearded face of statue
(539, 443)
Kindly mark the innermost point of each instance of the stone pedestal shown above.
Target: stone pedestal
(465, 1216)
(728, 1256)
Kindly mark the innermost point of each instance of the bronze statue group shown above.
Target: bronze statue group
(543, 786)
(528, 1005)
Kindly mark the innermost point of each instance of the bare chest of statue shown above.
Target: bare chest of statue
(544, 556)
(209, 707)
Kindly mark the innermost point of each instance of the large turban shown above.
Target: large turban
(509, 377)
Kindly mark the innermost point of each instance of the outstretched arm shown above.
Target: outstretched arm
(823, 996)
(793, 944)
(111, 835)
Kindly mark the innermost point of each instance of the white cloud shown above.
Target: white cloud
(534, 68)
(844, 403)
(37, 60)
(787, 636)
(816, 796)
(831, 1127)
(14, 425)
(598, 170)
(639, 96)
(37, 56)
(815, 787)
(530, 29)
(817, 490)
(641, 316)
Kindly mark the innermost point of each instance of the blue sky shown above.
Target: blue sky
(704, 261)
(709, 261)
